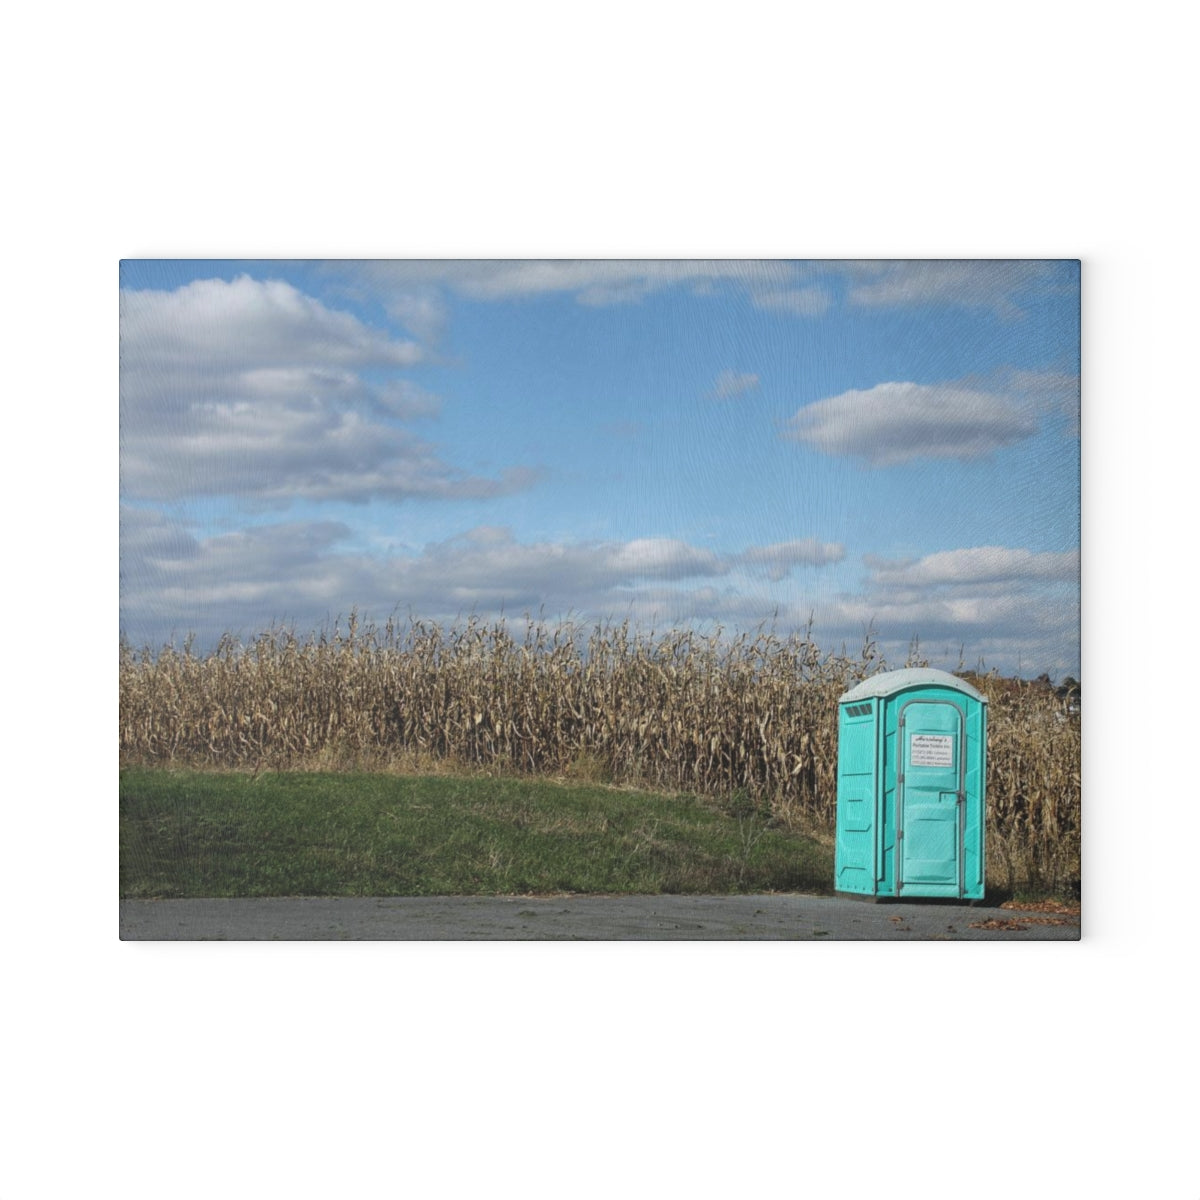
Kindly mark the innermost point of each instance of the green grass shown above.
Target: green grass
(226, 834)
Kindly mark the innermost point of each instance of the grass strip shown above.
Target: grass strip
(194, 834)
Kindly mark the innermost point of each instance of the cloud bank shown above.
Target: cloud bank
(1002, 603)
(307, 572)
(253, 389)
(798, 288)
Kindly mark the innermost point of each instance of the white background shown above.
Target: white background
(521, 130)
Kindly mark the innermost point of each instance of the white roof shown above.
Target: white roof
(889, 682)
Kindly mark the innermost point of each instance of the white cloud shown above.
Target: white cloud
(966, 283)
(593, 282)
(404, 399)
(1030, 629)
(662, 558)
(279, 451)
(253, 323)
(1051, 393)
(1007, 606)
(733, 383)
(150, 535)
(780, 558)
(253, 389)
(977, 565)
(803, 288)
(801, 301)
(422, 314)
(238, 582)
(895, 423)
(704, 606)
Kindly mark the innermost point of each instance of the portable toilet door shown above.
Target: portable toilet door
(912, 761)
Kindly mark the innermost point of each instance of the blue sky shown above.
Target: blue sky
(888, 445)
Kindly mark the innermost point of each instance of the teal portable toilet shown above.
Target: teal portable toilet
(912, 750)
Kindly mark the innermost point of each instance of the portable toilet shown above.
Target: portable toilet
(912, 748)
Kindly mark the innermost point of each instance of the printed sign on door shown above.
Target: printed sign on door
(930, 750)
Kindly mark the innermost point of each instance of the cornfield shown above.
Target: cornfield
(750, 719)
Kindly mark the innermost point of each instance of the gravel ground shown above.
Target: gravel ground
(586, 918)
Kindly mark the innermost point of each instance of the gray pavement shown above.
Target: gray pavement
(583, 918)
